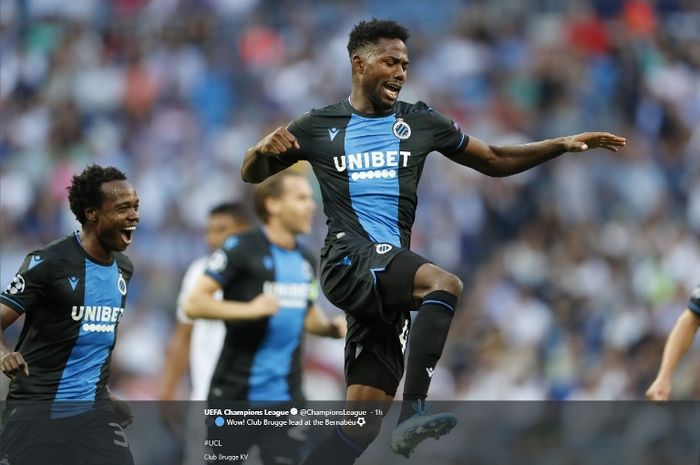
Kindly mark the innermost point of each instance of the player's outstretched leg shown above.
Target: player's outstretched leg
(438, 291)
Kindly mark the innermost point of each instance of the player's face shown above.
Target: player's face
(219, 227)
(296, 205)
(385, 73)
(118, 215)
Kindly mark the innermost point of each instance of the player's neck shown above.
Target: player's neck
(94, 248)
(363, 105)
(280, 236)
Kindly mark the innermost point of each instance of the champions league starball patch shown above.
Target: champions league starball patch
(217, 261)
(696, 293)
(16, 286)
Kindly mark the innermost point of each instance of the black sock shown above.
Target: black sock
(428, 336)
(338, 448)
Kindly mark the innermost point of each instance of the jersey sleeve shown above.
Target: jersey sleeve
(28, 285)
(225, 263)
(694, 302)
(448, 138)
(300, 128)
(195, 270)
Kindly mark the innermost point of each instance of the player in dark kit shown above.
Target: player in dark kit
(368, 152)
(72, 293)
(269, 292)
(678, 343)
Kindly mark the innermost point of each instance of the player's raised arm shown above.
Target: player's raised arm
(262, 160)
(11, 363)
(506, 160)
(678, 343)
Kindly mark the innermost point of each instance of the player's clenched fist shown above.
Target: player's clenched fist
(265, 305)
(277, 142)
(660, 390)
(13, 363)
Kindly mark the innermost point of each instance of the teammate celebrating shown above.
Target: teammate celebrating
(678, 343)
(72, 293)
(368, 153)
(269, 290)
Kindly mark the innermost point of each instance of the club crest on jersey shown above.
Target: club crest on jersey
(16, 286)
(401, 129)
(121, 284)
(383, 248)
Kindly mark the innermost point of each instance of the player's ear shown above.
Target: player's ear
(358, 64)
(91, 214)
(273, 206)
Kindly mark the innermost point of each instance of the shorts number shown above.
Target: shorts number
(120, 439)
(403, 337)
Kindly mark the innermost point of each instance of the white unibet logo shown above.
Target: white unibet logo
(294, 295)
(97, 318)
(430, 372)
(372, 165)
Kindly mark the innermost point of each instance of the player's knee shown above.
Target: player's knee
(431, 278)
(448, 282)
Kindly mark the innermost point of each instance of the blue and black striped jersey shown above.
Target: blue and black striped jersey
(73, 306)
(368, 166)
(261, 359)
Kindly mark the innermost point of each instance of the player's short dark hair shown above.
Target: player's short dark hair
(85, 190)
(235, 210)
(369, 32)
(272, 187)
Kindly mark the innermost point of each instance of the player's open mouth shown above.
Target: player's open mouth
(392, 91)
(126, 233)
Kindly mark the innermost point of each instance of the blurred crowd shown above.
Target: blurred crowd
(574, 272)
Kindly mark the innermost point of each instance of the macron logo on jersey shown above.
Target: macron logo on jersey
(34, 261)
(73, 282)
(332, 132)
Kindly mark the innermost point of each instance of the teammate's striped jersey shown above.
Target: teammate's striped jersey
(694, 302)
(261, 358)
(207, 337)
(368, 166)
(73, 306)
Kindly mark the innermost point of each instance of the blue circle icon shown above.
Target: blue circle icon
(219, 421)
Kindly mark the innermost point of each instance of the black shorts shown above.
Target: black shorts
(373, 284)
(92, 438)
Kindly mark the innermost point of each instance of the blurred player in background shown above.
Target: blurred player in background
(196, 344)
(269, 292)
(72, 293)
(678, 343)
(368, 153)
